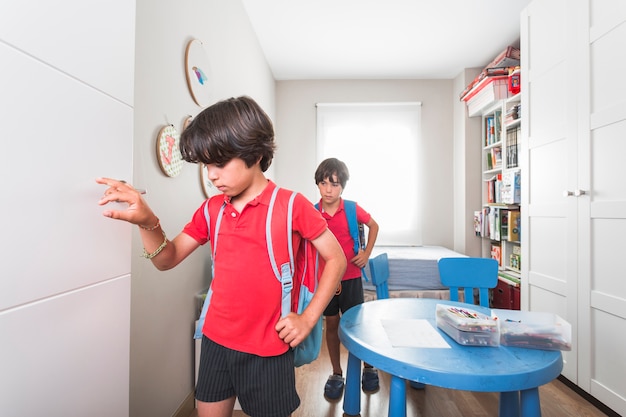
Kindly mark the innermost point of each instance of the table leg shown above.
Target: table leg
(397, 397)
(352, 392)
(530, 402)
(509, 404)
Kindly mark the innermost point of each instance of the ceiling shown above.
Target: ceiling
(382, 39)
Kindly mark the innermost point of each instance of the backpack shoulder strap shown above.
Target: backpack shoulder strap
(349, 207)
(285, 274)
(207, 216)
(356, 229)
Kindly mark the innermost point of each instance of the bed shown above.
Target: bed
(412, 272)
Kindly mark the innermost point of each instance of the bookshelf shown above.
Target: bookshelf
(498, 222)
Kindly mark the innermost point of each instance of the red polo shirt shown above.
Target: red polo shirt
(246, 301)
(338, 224)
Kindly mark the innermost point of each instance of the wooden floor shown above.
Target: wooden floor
(557, 399)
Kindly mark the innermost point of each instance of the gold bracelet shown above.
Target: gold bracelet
(149, 229)
(158, 250)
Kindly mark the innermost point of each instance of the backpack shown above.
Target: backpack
(356, 229)
(304, 266)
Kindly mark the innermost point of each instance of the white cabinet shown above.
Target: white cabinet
(573, 195)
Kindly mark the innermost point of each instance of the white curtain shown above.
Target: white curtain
(380, 144)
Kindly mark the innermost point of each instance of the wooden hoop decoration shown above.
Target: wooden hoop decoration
(186, 122)
(168, 152)
(197, 70)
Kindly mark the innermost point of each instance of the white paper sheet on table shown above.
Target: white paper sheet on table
(413, 333)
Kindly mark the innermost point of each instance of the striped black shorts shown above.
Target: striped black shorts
(265, 386)
(350, 294)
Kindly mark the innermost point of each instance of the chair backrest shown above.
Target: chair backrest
(379, 273)
(469, 274)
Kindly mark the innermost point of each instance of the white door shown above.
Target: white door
(575, 197)
(601, 200)
(66, 105)
(549, 233)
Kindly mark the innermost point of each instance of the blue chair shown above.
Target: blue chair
(468, 274)
(379, 273)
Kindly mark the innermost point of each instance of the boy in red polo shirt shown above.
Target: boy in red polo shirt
(246, 344)
(331, 177)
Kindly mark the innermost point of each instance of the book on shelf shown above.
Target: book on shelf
(489, 131)
(495, 224)
(496, 253)
(511, 187)
(496, 157)
(515, 259)
(498, 189)
(514, 222)
(494, 185)
(504, 225)
(491, 223)
(512, 147)
(497, 125)
(485, 221)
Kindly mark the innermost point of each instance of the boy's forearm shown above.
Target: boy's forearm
(372, 234)
(326, 288)
(171, 252)
(334, 267)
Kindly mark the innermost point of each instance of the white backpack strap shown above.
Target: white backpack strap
(220, 214)
(285, 275)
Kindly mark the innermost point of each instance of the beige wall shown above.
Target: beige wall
(296, 127)
(163, 304)
(466, 169)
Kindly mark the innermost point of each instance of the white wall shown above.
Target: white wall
(66, 103)
(296, 127)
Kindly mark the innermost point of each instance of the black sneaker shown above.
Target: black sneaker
(334, 387)
(369, 380)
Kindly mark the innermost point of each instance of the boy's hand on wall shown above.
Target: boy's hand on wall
(119, 191)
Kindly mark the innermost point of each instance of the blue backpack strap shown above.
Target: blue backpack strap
(359, 242)
(353, 225)
(285, 275)
(349, 208)
(207, 300)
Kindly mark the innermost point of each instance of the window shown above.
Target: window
(380, 144)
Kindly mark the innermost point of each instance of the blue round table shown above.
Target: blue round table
(516, 373)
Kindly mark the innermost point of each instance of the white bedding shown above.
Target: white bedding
(413, 271)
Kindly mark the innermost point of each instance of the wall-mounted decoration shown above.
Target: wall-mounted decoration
(186, 122)
(168, 152)
(207, 186)
(197, 69)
